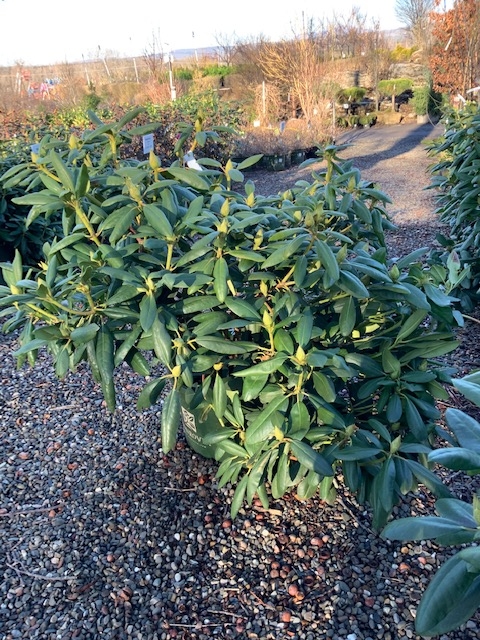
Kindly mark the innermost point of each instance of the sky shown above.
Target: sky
(38, 32)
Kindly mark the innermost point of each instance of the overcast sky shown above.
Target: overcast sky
(50, 31)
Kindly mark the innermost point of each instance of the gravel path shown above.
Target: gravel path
(102, 537)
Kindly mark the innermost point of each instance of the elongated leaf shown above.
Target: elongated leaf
(324, 386)
(429, 479)
(456, 458)
(170, 420)
(220, 277)
(150, 393)
(264, 367)
(451, 598)
(310, 458)
(469, 388)
(465, 428)
(84, 334)
(420, 528)
(456, 510)
(219, 397)
(384, 485)
(328, 260)
(412, 323)
(304, 329)
(348, 316)
(189, 177)
(158, 220)
(357, 453)
(238, 496)
(148, 311)
(242, 309)
(351, 284)
(262, 426)
(162, 342)
(227, 347)
(252, 386)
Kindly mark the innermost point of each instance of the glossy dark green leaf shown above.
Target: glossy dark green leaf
(148, 311)
(84, 334)
(262, 425)
(252, 386)
(311, 458)
(157, 219)
(452, 596)
(170, 420)
(150, 393)
(348, 317)
(162, 341)
(219, 397)
(264, 367)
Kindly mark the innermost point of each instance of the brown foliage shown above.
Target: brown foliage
(455, 57)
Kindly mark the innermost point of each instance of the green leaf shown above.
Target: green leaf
(299, 420)
(262, 426)
(220, 277)
(84, 334)
(238, 496)
(429, 479)
(242, 309)
(456, 510)
(158, 220)
(451, 598)
(328, 260)
(456, 458)
(352, 452)
(104, 353)
(189, 177)
(310, 458)
(264, 367)
(227, 347)
(412, 323)
(420, 528)
(414, 420)
(324, 386)
(62, 171)
(465, 428)
(148, 311)
(252, 386)
(384, 485)
(150, 393)
(170, 420)
(304, 329)
(123, 293)
(348, 317)
(468, 388)
(351, 284)
(219, 397)
(248, 162)
(32, 345)
(162, 342)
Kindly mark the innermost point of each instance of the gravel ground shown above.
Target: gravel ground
(102, 537)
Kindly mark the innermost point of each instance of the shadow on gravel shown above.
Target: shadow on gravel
(385, 142)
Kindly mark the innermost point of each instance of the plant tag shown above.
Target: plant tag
(189, 158)
(147, 143)
(189, 425)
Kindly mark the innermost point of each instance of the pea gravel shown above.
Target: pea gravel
(104, 537)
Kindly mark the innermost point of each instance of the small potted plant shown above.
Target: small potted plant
(421, 103)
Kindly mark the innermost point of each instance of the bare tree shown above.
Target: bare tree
(350, 32)
(415, 16)
(294, 66)
(227, 47)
